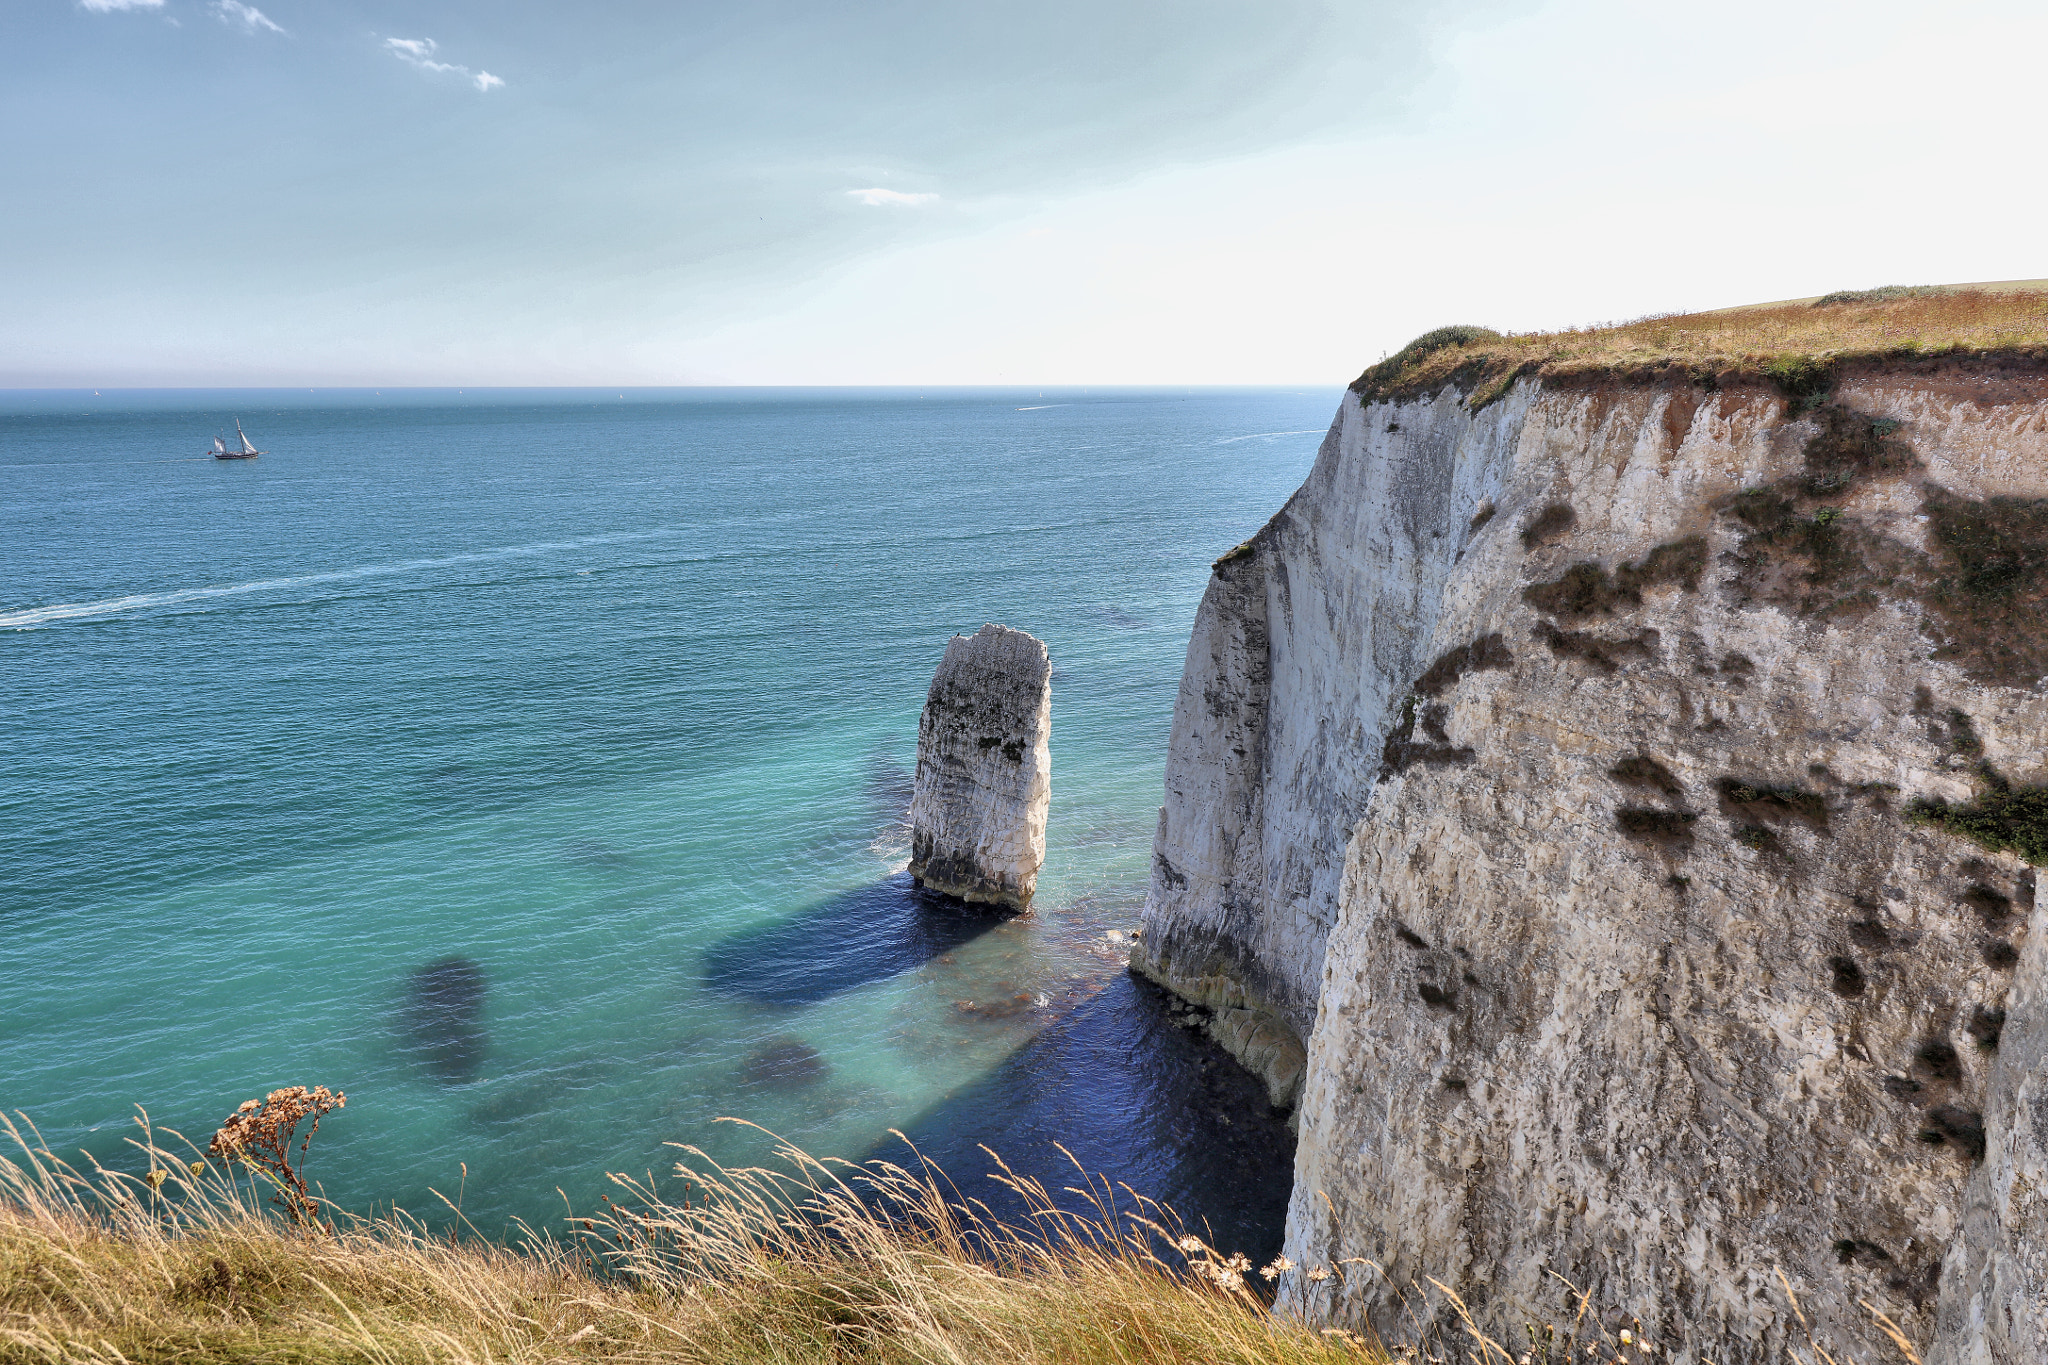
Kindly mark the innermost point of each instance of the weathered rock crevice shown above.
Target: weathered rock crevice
(1628, 793)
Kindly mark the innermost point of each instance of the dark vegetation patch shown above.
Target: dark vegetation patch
(1985, 587)
(1991, 905)
(1852, 445)
(1243, 550)
(1999, 955)
(1846, 977)
(1762, 802)
(1482, 516)
(1486, 652)
(1758, 837)
(1903, 1088)
(1916, 1286)
(1548, 525)
(1801, 552)
(1882, 294)
(1804, 379)
(1959, 1129)
(1936, 1060)
(1856, 1251)
(1991, 592)
(1642, 771)
(1437, 997)
(1665, 829)
(1603, 654)
(1587, 589)
(1397, 373)
(1402, 750)
(2012, 820)
(1410, 937)
(1870, 935)
(1986, 1025)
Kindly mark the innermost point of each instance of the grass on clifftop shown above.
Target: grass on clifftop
(796, 1263)
(1794, 346)
(203, 1259)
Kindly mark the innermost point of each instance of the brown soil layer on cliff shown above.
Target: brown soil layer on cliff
(1798, 348)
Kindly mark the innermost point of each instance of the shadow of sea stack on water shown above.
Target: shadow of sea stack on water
(845, 941)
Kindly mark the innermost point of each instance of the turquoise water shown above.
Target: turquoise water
(531, 766)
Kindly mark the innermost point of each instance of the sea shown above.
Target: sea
(531, 766)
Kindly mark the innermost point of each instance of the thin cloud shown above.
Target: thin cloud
(109, 6)
(419, 52)
(248, 16)
(880, 198)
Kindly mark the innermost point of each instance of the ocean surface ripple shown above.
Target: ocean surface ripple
(533, 767)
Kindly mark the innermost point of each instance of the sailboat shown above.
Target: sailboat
(242, 451)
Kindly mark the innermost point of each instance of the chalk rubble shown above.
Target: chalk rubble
(984, 769)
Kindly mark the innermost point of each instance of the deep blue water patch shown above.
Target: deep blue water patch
(1139, 1099)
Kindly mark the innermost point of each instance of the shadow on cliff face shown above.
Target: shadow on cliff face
(441, 1025)
(845, 941)
(1139, 1100)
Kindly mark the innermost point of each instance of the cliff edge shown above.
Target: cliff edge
(1606, 799)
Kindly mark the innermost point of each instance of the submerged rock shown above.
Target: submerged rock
(784, 1063)
(442, 1023)
(984, 769)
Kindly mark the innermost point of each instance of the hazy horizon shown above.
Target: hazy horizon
(211, 193)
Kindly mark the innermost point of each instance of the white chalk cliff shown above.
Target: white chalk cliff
(1548, 818)
(984, 769)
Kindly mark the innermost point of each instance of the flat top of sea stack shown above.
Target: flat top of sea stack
(1014, 653)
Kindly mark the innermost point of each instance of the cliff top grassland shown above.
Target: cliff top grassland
(205, 1256)
(1797, 347)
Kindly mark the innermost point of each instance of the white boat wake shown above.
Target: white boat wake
(1262, 435)
(79, 611)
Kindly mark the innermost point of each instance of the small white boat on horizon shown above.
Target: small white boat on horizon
(246, 451)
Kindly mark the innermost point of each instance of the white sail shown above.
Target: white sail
(247, 448)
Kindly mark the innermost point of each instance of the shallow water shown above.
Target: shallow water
(532, 766)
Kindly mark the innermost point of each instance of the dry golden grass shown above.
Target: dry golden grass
(794, 1264)
(804, 1262)
(1795, 346)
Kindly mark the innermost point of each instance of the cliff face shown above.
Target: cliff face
(984, 769)
(1551, 770)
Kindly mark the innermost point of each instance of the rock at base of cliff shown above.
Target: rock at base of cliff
(984, 769)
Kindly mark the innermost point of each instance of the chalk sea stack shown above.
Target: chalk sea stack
(984, 769)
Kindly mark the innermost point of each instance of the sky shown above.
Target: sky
(916, 192)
